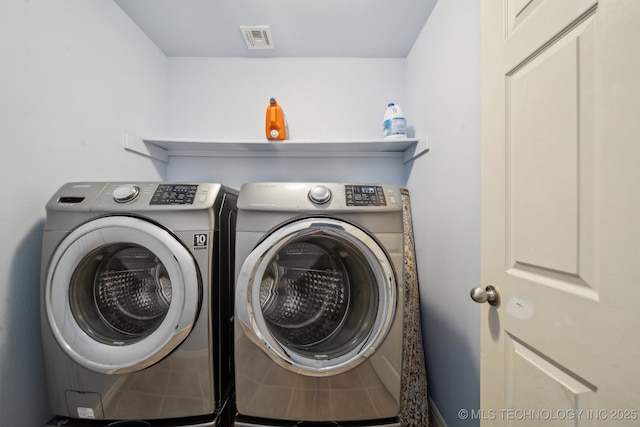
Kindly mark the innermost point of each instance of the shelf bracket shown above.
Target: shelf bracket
(136, 145)
(417, 150)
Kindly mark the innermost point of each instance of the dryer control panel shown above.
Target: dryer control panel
(320, 196)
(364, 195)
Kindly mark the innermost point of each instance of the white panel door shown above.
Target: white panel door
(560, 212)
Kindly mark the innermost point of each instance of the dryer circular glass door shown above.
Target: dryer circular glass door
(318, 295)
(120, 294)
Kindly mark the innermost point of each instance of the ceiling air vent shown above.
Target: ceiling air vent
(257, 37)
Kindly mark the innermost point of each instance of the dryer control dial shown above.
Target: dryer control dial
(126, 193)
(320, 194)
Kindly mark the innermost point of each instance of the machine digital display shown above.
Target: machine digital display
(365, 195)
(366, 190)
(172, 194)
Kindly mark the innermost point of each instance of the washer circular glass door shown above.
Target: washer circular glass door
(318, 295)
(120, 294)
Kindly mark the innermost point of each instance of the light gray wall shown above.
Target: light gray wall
(323, 99)
(443, 94)
(74, 77)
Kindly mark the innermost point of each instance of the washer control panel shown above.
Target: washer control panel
(364, 195)
(174, 194)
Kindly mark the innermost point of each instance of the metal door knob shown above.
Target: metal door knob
(489, 294)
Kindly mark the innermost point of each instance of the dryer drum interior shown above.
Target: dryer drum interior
(316, 296)
(120, 293)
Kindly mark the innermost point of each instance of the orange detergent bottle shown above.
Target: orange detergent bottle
(277, 128)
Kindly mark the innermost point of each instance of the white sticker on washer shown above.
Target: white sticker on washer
(86, 413)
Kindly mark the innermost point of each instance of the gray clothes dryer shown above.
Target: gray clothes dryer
(318, 326)
(136, 302)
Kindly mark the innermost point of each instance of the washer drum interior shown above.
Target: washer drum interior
(120, 293)
(318, 297)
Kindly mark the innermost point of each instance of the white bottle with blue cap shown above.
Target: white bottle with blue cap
(395, 124)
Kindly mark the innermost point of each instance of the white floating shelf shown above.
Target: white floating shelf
(164, 148)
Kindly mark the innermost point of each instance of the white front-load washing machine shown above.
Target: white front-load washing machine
(136, 302)
(319, 306)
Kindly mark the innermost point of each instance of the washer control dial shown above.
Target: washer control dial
(320, 194)
(126, 193)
